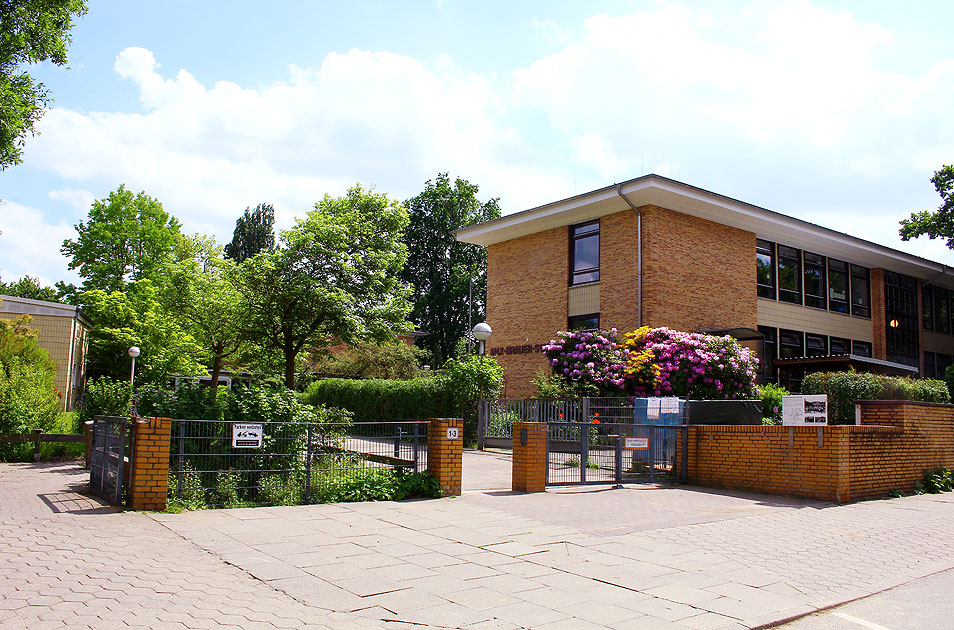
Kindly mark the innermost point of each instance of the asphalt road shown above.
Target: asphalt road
(924, 604)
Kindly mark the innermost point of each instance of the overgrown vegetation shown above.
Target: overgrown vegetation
(771, 395)
(935, 481)
(395, 360)
(844, 388)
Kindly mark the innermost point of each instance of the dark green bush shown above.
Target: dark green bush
(844, 388)
(771, 395)
(105, 397)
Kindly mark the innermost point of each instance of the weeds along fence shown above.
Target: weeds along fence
(496, 416)
(220, 464)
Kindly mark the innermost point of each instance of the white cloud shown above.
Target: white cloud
(80, 200)
(31, 245)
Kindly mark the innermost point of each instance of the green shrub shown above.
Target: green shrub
(771, 395)
(227, 484)
(189, 401)
(29, 399)
(372, 484)
(395, 360)
(193, 493)
(106, 397)
(935, 481)
(949, 379)
(281, 489)
(844, 388)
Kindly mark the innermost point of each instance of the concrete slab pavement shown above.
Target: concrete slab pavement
(640, 557)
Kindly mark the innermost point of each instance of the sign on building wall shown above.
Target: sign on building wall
(246, 435)
(805, 411)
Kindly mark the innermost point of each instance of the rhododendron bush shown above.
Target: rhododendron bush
(653, 362)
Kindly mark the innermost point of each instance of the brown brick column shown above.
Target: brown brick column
(149, 478)
(444, 452)
(529, 457)
(878, 314)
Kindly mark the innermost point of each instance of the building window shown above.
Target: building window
(791, 344)
(930, 371)
(584, 322)
(789, 274)
(816, 345)
(837, 286)
(839, 346)
(815, 285)
(769, 353)
(765, 268)
(901, 318)
(942, 312)
(861, 348)
(941, 363)
(585, 253)
(927, 306)
(860, 292)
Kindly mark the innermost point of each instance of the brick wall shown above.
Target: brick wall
(619, 284)
(150, 471)
(529, 459)
(897, 442)
(444, 455)
(696, 274)
(527, 281)
(880, 346)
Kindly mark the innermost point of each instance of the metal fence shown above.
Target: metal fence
(291, 463)
(496, 417)
(580, 453)
(110, 458)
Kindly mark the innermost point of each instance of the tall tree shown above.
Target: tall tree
(126, 238)
(31, 31)
(254, 232)
(440, 268)
(939, 223)
(334, 278)
(202, 292)
(29, 287)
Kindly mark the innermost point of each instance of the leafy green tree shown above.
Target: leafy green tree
(392, 360)
(29, 287)
(333, 279)
(31, 31)
(937, 224)
(254, 232)
(137, 317)
(202, 292)
(126, 238)
(440, 268)
(28, 397)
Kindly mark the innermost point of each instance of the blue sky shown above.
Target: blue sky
(837, 113)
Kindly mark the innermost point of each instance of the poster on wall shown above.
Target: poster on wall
(805, 411)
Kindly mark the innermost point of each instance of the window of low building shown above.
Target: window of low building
(861, 348)
(769, 352)
(927, 306)
(585, 253)
(584, 322)
(942, 313)
(860, 292)
(816, 345)
(941, 363)
(815, 281)
(839, 345)
(930, 370)
(791, 343)
(901, 318)
(837, 286)
(789, 274)
(765, 268)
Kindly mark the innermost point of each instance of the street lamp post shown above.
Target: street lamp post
(482, 332)
(133, 353)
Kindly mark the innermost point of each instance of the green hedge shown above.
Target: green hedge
(844, 388)
(384, 400)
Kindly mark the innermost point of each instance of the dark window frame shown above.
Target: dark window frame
(581, 318)
(942, 310)
(927, 307)
(766, 248)
(842, 341)
(859, 273)
(821, 351)
(793, 256)
(838, 305)
(783, 345)
(862, 348)
(930, 366)
(578, 233)
(770, 353)
(813, 300)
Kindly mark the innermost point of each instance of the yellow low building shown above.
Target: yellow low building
(63, 331)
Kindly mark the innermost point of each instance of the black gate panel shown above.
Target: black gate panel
(110, 459)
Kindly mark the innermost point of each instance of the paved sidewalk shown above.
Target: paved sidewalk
(640, 557)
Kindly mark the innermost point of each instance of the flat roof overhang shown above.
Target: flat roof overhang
(843, 361)
(673, 195)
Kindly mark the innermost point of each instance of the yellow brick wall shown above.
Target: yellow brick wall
(150, 471)
(444, 456)
(529, 465)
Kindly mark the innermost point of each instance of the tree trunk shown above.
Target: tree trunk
(216, 370)
(290, 368)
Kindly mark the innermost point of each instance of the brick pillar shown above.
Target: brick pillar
(878, 323)
(529, 457)
(445, 447)
(149, 477)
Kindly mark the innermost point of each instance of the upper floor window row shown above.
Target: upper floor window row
(937, 309)
(790, 275)
(585, 252)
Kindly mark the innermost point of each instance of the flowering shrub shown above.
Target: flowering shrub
(664, 362)
(589, 363)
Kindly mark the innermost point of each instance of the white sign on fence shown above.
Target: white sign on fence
(636, 443)
(805, 411)
(246, 435)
